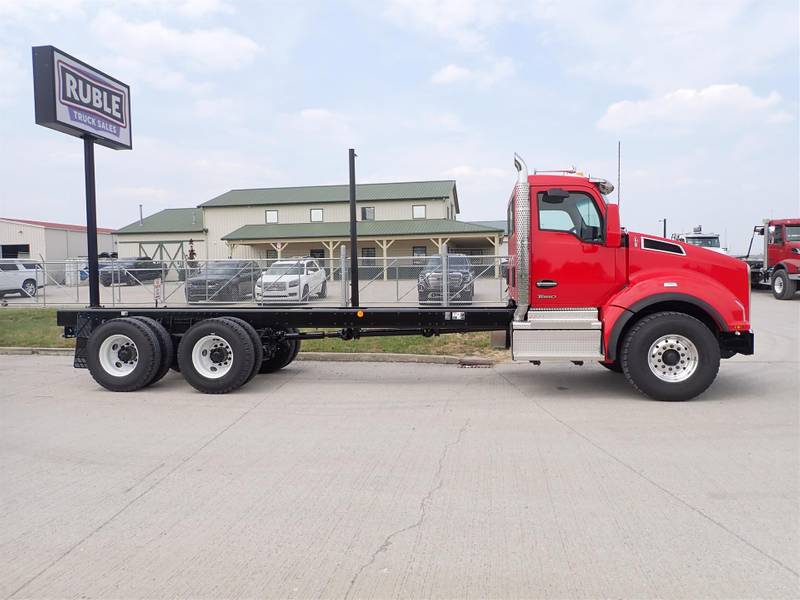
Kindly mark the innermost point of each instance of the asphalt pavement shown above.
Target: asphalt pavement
(405, 480)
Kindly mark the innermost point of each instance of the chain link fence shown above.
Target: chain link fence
(295, 281)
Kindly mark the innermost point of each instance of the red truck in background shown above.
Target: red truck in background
(779, 265)
(662, 312)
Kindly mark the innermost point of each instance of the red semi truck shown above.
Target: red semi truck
(581, 289)
(779, 265)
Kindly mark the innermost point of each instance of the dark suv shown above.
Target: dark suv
(131, 271)
(461, 280)
(222, 281)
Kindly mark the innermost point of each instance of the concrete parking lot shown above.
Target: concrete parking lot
(377, 480)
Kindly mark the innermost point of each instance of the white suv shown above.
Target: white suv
(294, 279)
(20, 277)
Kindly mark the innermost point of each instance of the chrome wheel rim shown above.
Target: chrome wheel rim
(212, 356)
(118, 355)
(778, 285)
(29, 289)
(673, 358)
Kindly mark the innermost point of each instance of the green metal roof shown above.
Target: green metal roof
(317, 194)
(494, 224)
(169, 220)
(421, 227)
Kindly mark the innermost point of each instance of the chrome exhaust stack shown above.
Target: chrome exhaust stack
(522, 225)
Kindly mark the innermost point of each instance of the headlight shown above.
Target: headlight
(294, 283)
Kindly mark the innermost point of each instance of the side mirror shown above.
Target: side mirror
(589, 233)
(555, 196)
(613, 230)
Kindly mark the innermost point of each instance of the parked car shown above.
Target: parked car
(461, 279)
(223, 281)
(131, 271)
(20, 277)
(294, 280)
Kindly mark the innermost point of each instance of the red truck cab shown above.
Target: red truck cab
(778, 266)
(661, 311)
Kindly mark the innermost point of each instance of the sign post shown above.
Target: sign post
(73, 97)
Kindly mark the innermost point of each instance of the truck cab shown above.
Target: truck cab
(662, 311)
(700, 239)
(779, 264)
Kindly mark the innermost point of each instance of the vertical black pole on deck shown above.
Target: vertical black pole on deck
(91, 222)
(353, 238)
(665, 228)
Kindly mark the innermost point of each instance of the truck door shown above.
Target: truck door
(570, 263)
(775, 251)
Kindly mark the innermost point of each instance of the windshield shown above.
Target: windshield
(455, 262)
(223, 269)
(279, 270)
(793, 233)
(704, 242)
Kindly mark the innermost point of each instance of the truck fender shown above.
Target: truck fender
(705, 294)
(790, 265)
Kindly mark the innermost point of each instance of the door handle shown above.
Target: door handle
(546, 283)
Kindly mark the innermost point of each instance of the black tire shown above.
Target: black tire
(635, 356)
(241, 355)
(166, 345)
(285, 353)
(28, 289)
(615, 367)
(147, 355)
(323, 291)
(783, 288)
(258, 347)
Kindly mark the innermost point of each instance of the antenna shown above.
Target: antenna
(619, 167)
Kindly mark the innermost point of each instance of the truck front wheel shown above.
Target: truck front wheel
(783, 288)
(670, 356)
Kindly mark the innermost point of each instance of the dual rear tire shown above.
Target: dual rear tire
(215, 356)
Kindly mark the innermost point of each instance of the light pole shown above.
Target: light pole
(664, 221)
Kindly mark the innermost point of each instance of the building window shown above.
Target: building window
(272, 216)
(367, 213)
(418, 211)
(317, 253)
(316, 215)
(368, 257)
(272, 254)
(421, 251)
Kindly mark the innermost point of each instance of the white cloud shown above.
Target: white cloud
(665, 45)
(324, 122)
(13, 76)
(462, 21)
(688, 106)
(501, 69)
(154, 42)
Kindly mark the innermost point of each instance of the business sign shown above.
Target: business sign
(74, 98)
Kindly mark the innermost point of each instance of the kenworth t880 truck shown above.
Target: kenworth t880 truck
(581, 288)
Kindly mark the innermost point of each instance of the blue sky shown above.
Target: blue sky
(703, 95)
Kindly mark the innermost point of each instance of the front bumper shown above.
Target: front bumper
(736, 342)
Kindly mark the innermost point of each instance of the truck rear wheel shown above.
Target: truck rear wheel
(164, 342)
(783, 288)
(123, 355)
(670, 356)
(258, 347)
(216, 356)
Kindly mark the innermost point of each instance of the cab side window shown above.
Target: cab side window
(776, 234)
(574, 213)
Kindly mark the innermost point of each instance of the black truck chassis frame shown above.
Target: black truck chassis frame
(285, 323)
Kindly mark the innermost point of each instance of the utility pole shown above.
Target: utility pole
(664, 221)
